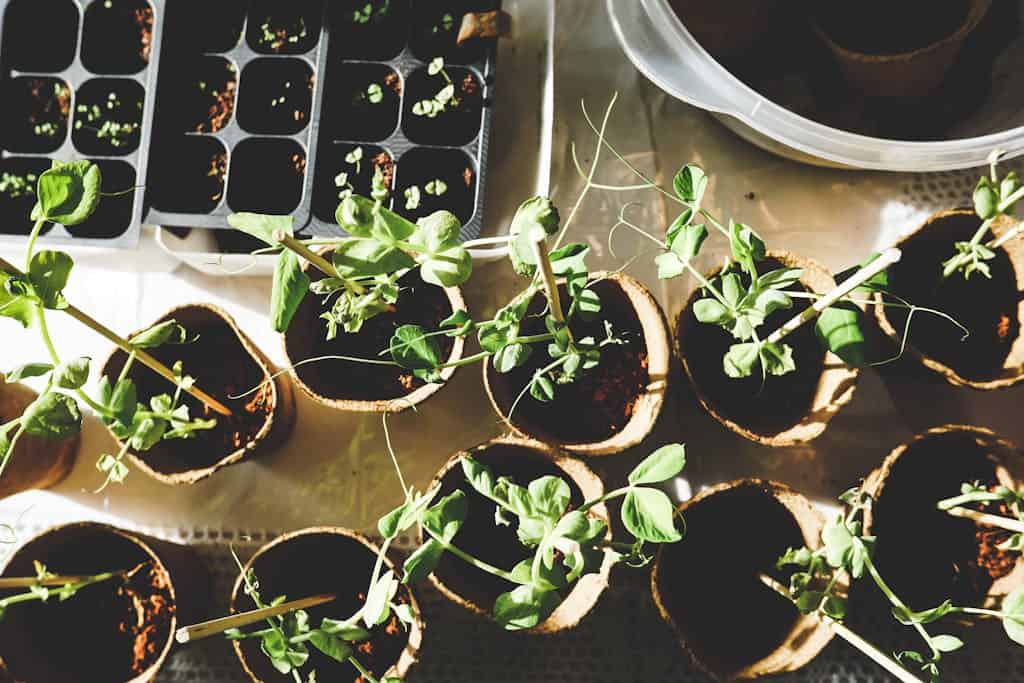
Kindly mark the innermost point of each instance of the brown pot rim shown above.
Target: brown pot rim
(797, 650)
(976, 11)
(60, 454)
(277, 425)
(410, 654)
(150, 673)
(649, 403)
(830, 396)
(387, 405)
(1014, 365)
(587, 591)
(1003, 450)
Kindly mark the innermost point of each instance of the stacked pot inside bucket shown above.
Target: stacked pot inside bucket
(520, 530)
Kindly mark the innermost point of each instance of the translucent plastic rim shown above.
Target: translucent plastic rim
(658, 44)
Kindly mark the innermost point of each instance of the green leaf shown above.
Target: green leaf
(688, 242)
(542, 388)
(525, 607)
(48, 272)
(167, 332)
(422, 562)
(840, 328)
(377, 608)
(569, 259)
(362, 217)
(289, 288)
(588, 305)
(747, 246)
(52, 416)
(549, 496)
(741, 359)
(986, 199)
(446, 517)
(353, 633)
(411, 348)
(479, 476)
(438, 230)
(367, 257)
(1013, 615)
(261, 226)
(511, 356)
(15, 303)
(690, 184)
(879, 282)
(332, 646)
(536, 212)
(648, 514)
(661, 465)
(669, 266)
(908, 617)
(449, 267)
(72, 374)
(462, 323)
(68, 193)
(27, 371)
(711, 311)
(780, 278)
(777, 359)
(124, 401)
(946, 643)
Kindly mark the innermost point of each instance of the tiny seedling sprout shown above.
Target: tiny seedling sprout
(974, 493)
(444, 98)
(45, 585)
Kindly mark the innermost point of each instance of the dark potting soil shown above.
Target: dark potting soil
(113, 216)
(986, 307)
(189, 175)
(418, 304)
(110, 631)
(35, 117)
(277, 97)
(435, 29)
(353, 116)
(311, 564)
(927, 555)
(480, 536)
(713, 576)
(459, 123)
(266, 176)
(378, 34)
(764, 406)
(40, 35)
(210, 26)
(331, 162)
(601, 402)
(117, 36)
(201, 94)
(421, 165)
(222, 367)
(884, 27)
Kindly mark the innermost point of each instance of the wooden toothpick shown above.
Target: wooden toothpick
(1014, 525)
(213, 627)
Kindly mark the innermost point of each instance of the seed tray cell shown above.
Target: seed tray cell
(75, 74)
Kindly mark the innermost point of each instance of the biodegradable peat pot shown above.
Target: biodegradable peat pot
(36, 463)
(327, 560)
(897, 63)
(735, 531)
(726, 28)
(224, 363)
(112, 631)
(361, 387)
(611, 407)
(925, 554)
(992, 357)
(523, 461)
(791, 409)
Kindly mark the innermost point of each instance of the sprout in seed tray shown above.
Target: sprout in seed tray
(444, 98)
(847, 551)
(369, 13)
(68, 193)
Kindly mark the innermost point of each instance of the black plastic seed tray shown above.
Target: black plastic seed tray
(76, 77)
(275, 106)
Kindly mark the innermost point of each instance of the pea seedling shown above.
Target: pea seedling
(371, 12)
(68, 193)
(975, 493)
(847, 550)
(444, 98)
(566, 544)
(45, 585)
(994, 198)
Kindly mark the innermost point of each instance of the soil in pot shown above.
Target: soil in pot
(420, 166)
(266, 176)
(321, 562)
(18, 179)
(284, 28)
(419, 304)
(762, 406)
(480, 536)
(457, 124)
(712, 576)
(277, 97)
(882, 27)
(369, 29)
(331, 163)
(927, 555)
(201, 95)
(40, 35)
(364, 101)
(113, 215)
(111, 631)
(117, 36)
(601, 402)
(209, 26)
(108, 117)
(223, 367)
(986, 307)
(435, 28)
(36, 111)
(190, 174)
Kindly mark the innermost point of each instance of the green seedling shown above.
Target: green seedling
(46, 585)
(847, 551)
(445, 24)
(977, 494)
(412, 198)
(444, 98)
(371, 12)
(436, 187)
(995, 198)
